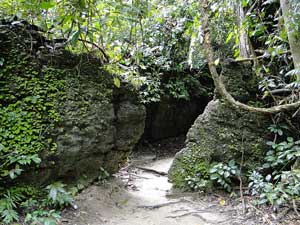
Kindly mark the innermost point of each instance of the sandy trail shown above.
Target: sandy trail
(138, 197)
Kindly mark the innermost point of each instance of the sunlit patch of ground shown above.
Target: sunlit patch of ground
(136, 196)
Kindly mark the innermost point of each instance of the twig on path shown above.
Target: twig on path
(161, 173)
(187, 214)
(180, 210)
(295, 208)
(265, 216)
(206, 210)
(283, 213)
(196, 213)
(138, 176)
(160, 205)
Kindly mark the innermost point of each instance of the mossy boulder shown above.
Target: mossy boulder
(221, 134)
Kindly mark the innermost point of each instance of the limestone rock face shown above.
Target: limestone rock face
(94, 134)
(79, 123)
(220, 134)
(240, 81)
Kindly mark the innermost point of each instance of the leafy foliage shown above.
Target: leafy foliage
(104, 175)
(155, 46)
(280, 184)
(283, 153)
(29, 98)
(223, 173)
(58, 196)
(32, 204)
(28, 112)
(282, 189)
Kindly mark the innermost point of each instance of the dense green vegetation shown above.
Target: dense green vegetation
(160, 48)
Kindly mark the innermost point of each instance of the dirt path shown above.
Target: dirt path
(139, 197)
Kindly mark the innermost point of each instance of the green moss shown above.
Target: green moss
(219, 135)
(191, 166)
(29, 97)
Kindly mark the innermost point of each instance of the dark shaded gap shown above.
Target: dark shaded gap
(171, 118)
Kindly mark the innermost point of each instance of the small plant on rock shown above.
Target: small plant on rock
(223, 173)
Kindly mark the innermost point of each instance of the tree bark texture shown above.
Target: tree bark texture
(289, 12)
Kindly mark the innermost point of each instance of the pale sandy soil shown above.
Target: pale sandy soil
(137, 197)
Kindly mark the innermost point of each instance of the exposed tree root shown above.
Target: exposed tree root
(264, 215)
(295, 208)
(161, 173)
(159, 205)
(196, 213)
(138, 176)
(167, 204)
(188, 214)
(283, 213)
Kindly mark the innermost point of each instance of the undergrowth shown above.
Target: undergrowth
(276, 182)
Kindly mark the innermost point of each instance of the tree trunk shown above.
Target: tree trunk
(288, 8)
(244, 42)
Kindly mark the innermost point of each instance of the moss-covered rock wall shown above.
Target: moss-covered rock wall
(61, 116)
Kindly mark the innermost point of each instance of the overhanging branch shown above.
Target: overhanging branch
(218, 82)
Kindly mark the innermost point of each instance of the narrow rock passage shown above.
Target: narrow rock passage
(137, 195)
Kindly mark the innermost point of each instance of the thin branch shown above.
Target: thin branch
(252, 59)
(252, 7)
(98, 47)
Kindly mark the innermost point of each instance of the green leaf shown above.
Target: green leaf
(1, 61)
(47, 5)
(226, 174)
(82, 3)
(36, 159)
(53, 194)
(229, 37)
(217, 61)
(117, 82)
(74, 37)
(9, 215)
(213, 170)
(231, 163)
(214, 176)
(49, 221)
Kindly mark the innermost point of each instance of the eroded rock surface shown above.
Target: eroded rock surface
(222, 133)
(80, 121)
(95, 133)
